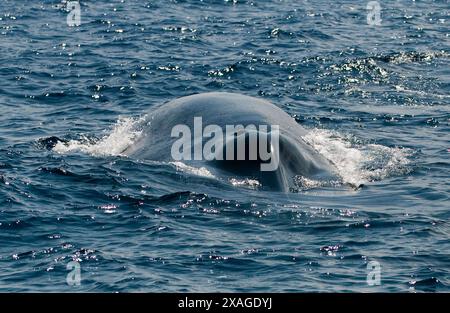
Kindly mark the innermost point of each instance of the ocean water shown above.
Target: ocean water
(375, 100)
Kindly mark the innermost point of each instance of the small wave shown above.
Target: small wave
(247, 182)
(426, 284)
(304, 183)
(376, 67)
(199, 171)
(358, 164)
(123, 134)
(362, 66)
(413, 56)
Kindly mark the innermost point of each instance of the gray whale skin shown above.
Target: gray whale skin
(295, 157)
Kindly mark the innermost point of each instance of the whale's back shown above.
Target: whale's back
(222, 108)
(216, 108)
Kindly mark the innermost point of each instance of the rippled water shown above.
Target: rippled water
(375, 99)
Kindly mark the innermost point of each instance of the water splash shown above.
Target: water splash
(247, 182)
(356, 163)
(123, 134)
(199, 171)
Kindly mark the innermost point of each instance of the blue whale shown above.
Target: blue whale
(291, 156)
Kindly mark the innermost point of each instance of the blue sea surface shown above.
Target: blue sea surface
(375, 100)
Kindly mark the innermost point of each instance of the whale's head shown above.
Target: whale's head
(234, 136)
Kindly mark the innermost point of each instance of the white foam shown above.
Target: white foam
(247, 182)
(199, 171)
(123, 134)
(357, 163)
(304, 183)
